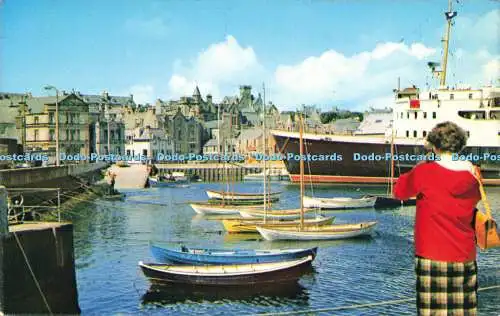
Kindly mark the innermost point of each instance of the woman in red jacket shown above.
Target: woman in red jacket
(445, 249)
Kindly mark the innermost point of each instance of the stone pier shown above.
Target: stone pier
(37, 268)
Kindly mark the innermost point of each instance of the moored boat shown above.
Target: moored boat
(339, 202)
(276, 214)
(197, 256)
(229, 275)
(170, 182)
(223, 195)
(327, 232)
(249, 225)
(114, 197)
(217, 209)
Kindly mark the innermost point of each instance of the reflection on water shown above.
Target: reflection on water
(279, 293)
(112, 236)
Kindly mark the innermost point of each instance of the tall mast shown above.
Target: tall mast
(264, 149)
(301, 144)
(449, 21)
(391, 184)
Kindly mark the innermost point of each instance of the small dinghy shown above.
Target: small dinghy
(216, 209)
(339, 202)
(171, 181)
(327, 232)
(254, 197)
(230, 275)
(275, 214)
(196, 256)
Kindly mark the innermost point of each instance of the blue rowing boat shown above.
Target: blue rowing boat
(196, 256)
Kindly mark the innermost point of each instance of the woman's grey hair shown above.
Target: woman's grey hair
(448, 137)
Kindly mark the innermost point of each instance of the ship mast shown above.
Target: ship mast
(446, 40)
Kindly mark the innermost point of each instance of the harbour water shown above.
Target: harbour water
(111, 237)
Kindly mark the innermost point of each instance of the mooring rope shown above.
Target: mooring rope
(33, 274)
(356, 306)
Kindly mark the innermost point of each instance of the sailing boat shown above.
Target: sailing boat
(302, 232)
(258, 217)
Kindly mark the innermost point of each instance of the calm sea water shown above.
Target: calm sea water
(111, 237)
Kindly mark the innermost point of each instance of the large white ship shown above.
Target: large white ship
(365, 158)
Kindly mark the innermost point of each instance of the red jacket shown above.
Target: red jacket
(446, 200)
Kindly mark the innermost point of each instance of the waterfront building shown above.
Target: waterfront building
(40, 124)
(187, 133)
(106, 116)
(148, 141)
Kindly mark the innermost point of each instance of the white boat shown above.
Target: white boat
(216, 209)
(339, 202)
(222, 195)
(276, 214)
(328, 232)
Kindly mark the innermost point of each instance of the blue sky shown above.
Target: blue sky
(323, 52)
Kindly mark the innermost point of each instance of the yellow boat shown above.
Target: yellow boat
(248, 225)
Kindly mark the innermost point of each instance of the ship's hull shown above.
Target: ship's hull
(353, 160)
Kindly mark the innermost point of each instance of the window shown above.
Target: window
(416, 115)
(78, 134)
(468, 134)
(414, 133)
(452, 96)
(425, 115)
(51, 118)
(128, 152)
(433, 115)
(51, 134)
(408, 115)
(145, 152)
(470, 96)
(407, 133)
(67, 134)
(36, 120)
(378, 121)
(401, 114)
(35, 135)
(424, 133)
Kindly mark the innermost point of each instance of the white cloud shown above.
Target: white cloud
(491, 70)
(333, 75)
(154, 27)
(142, 93)
(217, 70)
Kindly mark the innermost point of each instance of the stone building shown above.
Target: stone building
(39, 124)
(106, 113)
(187, 133)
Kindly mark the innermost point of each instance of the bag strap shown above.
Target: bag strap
(484, 198)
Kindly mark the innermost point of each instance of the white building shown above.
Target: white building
(148, 142)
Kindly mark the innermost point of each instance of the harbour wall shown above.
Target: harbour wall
(45, 176)
(37, 268)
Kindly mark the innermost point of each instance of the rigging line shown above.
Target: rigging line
(356, 306)
(32, 273)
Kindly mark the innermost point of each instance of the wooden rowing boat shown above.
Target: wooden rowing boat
(218, 209)
(228, 275)
(249, 225)
(339, 202)
(290, 214)
(327, 232)
(223, 195)
(198, 256)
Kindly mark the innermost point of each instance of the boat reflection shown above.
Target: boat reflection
(165, 294)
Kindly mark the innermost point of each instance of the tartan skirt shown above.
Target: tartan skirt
(446, 288)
